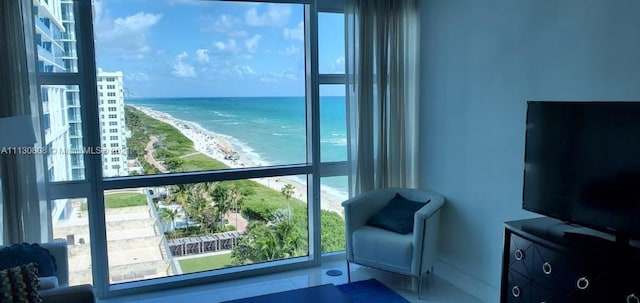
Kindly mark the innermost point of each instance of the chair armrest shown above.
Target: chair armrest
(425, 234)
(76, 294)
(437, 201)
(59, 251)
(362, 207)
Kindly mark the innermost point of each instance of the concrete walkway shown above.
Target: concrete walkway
(149, 156)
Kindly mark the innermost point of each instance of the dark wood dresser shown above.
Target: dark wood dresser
(547, 261)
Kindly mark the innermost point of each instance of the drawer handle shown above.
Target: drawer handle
(582, 283)
(515, 291)
(546, 268)
(519, 254)
(632, 298)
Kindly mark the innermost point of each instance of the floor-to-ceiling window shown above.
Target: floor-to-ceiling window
(197, 139)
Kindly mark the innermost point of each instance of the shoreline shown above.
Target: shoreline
(222, 148)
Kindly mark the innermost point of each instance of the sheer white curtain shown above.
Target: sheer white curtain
(382, 71)
(25, 216)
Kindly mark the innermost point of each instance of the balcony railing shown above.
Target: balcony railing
(67, 36)
(75, 118)
(75, 133)
(48, 56)
(68, 17)
(43, 28)
(73, 103)
(70, 54)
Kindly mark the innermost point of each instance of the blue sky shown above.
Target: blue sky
(181, 48)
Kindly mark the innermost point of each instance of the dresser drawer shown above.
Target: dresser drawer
(520, 255)
(540, 294)
(542, 265)
(550, 269)
(518, 288)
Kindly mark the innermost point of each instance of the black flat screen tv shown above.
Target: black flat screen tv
(582, 164)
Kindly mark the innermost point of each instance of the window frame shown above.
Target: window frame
(94, 184)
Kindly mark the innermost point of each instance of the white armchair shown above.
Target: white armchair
(411, 254)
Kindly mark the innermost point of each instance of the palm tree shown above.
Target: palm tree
(288, 190)
(235, 194)
(204, 189)
(203, 212)
(278, 239)
(169, 215)
(223, 202)
(181, 194)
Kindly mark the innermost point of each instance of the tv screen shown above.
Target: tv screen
(582, 164)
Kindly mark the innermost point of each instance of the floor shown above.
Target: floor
(438, 290)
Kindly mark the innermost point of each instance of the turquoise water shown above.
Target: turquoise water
(271, 129)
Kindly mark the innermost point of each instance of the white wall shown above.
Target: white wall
(481, 62)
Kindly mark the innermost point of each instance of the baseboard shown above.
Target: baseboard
(469, 284)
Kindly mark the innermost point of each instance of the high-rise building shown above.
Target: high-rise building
(112, 123)
(69, 57)
(49, 28)
(61, 106)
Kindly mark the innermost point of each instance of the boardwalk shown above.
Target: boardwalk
(149, 156)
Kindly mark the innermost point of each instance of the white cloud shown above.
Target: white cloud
(141, 76)
(225, 24)
(182, 69)
(290, 50)
(296, 33)
(241, 70)
(252, 43)
(227, 69)
(285, 74)
(227, 47)
(275, 15)
(202, 55)
(338, 65)
(126, 36)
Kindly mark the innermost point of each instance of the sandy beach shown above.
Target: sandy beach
(220, 147)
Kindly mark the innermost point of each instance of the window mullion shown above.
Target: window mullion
(332, 79)
(59, 78)
(93, 165)
(205, 176)
(313, 92)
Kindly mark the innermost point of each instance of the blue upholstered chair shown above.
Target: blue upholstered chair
(412, 254)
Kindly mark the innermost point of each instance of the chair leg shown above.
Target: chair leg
(348, 272)
(420, 281)
(424, 277)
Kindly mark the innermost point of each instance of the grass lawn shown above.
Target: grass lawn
(124, 200)
(200, 162)
(205, 263)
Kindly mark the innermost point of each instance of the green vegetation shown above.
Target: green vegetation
(172, 147)
(277, 221)
(267, 242)
(200, 162)
(332, 232)
(205, 263)
(117, 200)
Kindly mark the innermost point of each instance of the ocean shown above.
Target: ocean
(272, 130)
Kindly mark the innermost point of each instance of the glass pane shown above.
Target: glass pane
(55, 36)
(62, 122)
(331, 50)
(165, 231)
(333, 123)
(334, 192)
(71, 224)
(227, 92)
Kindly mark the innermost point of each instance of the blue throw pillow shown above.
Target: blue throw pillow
(397, 215)
(21, 254)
